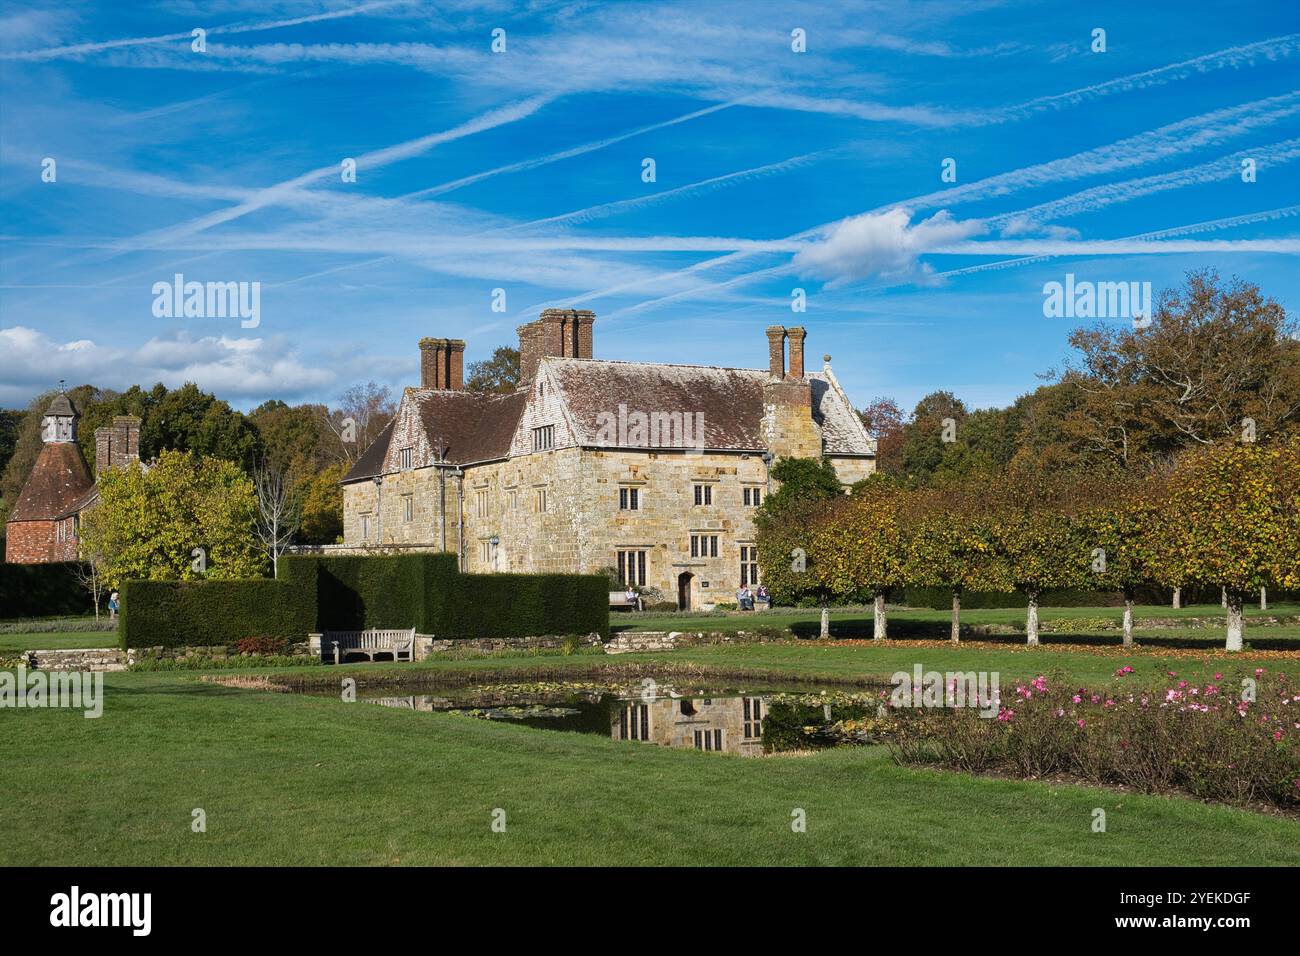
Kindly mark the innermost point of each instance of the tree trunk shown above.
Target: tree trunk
(1223, 597)
(1128, 617)
(826, 624)
(1031, 623)
(1178, 598)
(956, 615)
(1263, 598)
(878, 633)
(1235, 620)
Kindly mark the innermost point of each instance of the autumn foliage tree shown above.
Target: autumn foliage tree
(148, 523)
(1115, 535)
(1226, 523)
(1032, 537)
(862, 545)
(951, 543)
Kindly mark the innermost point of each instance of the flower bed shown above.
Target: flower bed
(1211, 741)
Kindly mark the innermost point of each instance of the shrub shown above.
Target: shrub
(1201, 740)
(30, 590)
(263, 644)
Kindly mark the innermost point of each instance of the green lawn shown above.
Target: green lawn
(55, 640)
(290, 779)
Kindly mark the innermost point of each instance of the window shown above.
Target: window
(539, 500)
(704, 494)
(543, 438)
(408, 508)
(631, 567)
(482, 504)
(748, 565)
(708, 739)
(514, 499)
(704, 546)
(406, 455)
(753, 497)
(753, 717)
(485, 551)
(629, 499)
(365, 527)
(634, 722)
(61, 531)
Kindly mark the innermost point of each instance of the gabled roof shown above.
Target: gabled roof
(58, 482)
(464, 427)
(730, 400)
(472, 427)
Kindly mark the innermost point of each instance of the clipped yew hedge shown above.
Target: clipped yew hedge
(345, 593)
(212, 613)
(42, 590)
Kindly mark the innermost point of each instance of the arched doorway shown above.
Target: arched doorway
(684, 591)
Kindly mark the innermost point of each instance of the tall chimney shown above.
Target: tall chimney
(117, 445)
(796, 334)
(433, 363)
(585, 319)
(776, 350)
(456, 364)
(531, 350)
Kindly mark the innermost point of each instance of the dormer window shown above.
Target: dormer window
(406, 456)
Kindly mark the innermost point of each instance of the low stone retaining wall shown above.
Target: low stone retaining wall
(77, 659)
(426, 644)
(136, 654)
(631, 642)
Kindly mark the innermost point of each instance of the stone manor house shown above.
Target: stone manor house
(652, 469)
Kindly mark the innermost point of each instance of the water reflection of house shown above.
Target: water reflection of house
(729, 724)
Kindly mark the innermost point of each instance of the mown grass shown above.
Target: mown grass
(294, 779)
(12, 643)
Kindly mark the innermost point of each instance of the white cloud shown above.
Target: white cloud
(881, 244)
(234, 368)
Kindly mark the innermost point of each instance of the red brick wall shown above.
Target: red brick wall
(36, 542)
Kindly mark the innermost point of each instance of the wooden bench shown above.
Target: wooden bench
(369, 642)
(618, 601)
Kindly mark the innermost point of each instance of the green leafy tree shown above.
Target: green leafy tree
(148, 523)
(952, 543)
(1116, 537)
(783, 523)
(498, 374)
(861, 545)
(1225, 523)
(1032, 537)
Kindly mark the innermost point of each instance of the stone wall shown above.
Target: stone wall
(78, 659)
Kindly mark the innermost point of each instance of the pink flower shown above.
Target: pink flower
(1077, 699)
(1079, 721)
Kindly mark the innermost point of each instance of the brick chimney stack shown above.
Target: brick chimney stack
(796, 334)
(559, 333)
(433, 363)
(456, 364)
(776, 350)
(442, 364)
(117, 445)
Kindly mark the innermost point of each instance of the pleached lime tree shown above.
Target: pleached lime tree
(951, 543)
(1115, 528)
(1031, 536)
(1225, 524)
(861, 546)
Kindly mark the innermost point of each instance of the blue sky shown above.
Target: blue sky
(522, 170)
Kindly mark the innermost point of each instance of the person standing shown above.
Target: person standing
(112, 606)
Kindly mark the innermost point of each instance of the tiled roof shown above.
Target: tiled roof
(58, 482)
(475, 427)
(730, 400)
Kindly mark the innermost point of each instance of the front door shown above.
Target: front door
(684, 591)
